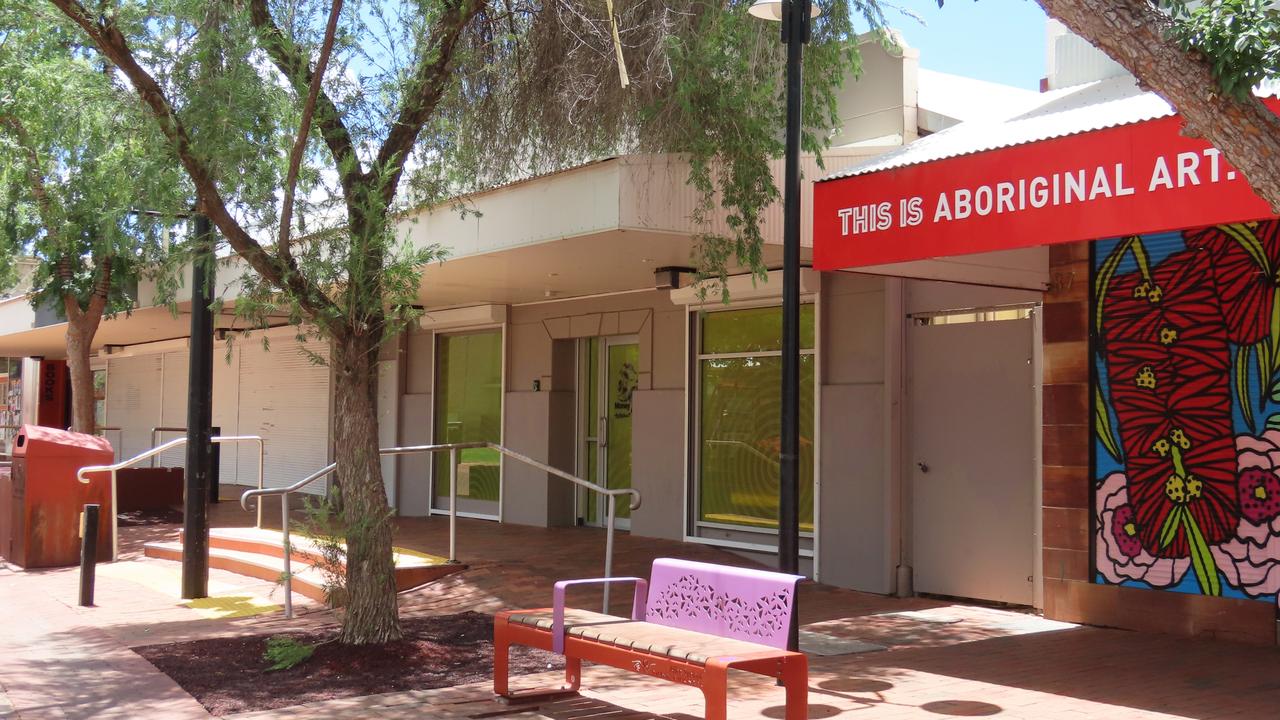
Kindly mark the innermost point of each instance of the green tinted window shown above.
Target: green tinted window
(624, 364)
(751, 330)
(468, 409)
(741, 420)
(740, 417)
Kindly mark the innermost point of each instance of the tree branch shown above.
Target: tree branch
(423, 91)
(111, 42)
(35, 176)
(304, 127)
(101, 288)
(1131, 32)
(297, 70)
(70, 303)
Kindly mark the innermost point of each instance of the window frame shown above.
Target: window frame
(693, 524)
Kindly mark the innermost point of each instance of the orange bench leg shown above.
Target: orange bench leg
(572, 673)
(715, 689)
(795, 677)
(501, 656)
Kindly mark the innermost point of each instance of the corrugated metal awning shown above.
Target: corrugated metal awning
(1084, 108)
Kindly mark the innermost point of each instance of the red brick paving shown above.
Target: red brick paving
(59, 661)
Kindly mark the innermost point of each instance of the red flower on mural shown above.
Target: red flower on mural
(1246, 260)
(1170, 319)
(1259, 495)
(1195, 410)
(1200, 478)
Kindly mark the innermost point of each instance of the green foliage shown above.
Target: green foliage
(706, 85)
(1241, 38)
(284, 652)
(322, 524)
(77, 160)
(457, 96)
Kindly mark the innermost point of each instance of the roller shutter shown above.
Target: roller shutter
(284, 397)
(134, 386)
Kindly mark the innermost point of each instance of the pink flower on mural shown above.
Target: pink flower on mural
(1251, 560)
(1119, 551)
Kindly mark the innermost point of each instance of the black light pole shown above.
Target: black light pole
(795, 16)
(195, 543)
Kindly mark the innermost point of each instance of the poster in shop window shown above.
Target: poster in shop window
(1185, 346)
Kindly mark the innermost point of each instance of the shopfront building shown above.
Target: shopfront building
(1155, 496)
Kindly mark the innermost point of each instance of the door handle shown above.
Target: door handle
(924, 467)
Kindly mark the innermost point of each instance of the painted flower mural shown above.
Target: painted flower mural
(1186, 346)
(1251, 560)
(1246, 260)
(1119, 553)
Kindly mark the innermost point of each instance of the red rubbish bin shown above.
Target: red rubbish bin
(42, 500)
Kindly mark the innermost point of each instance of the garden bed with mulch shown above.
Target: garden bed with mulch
(230, 675)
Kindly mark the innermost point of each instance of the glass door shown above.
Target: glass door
(468, 408)
(608, 380)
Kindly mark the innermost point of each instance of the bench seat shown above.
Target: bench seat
(690, 623)
(688, 645)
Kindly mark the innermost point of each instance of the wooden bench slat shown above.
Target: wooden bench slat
(688, 645)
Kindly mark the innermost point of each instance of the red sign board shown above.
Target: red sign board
(1126, 180)
(51, 410)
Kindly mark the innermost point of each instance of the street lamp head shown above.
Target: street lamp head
(772, 10)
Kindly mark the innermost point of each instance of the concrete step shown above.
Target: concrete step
(258, 553)
(307, 580)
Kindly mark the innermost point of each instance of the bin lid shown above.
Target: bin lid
(53, 441)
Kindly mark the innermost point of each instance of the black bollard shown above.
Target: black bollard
(88, 553)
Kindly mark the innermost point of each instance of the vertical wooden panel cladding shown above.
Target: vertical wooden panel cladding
(134, 400)
(284, 397)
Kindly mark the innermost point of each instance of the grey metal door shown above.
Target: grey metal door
(972, 459)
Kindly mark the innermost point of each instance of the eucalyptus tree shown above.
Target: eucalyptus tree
(306, 127)
(78, 168)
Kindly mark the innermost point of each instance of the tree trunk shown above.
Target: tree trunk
(82, 325)
(371, 612)
(80, 333)
(1132, 33)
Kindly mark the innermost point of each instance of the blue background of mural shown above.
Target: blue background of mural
(1160, 246)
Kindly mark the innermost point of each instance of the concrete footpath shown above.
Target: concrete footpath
(60, 660)
(872, 658)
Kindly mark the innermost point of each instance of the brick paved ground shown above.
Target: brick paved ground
(944, 660)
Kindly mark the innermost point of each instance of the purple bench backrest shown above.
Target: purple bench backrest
(751, 605)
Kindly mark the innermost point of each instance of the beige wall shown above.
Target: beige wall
(881, 103)
(855, 521)
(413, 471)
(541, 346)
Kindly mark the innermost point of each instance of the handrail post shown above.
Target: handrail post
(608, 548)
(453, 505)
(288, 553)
(261, 484)
(115, 520)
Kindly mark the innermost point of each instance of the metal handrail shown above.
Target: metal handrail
(155, 432)
(155, 437)
(176, 442)
(453, 450)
